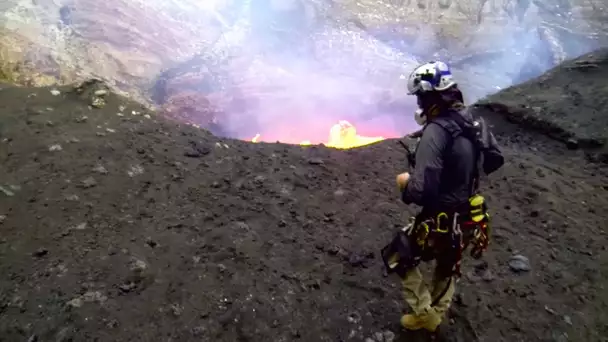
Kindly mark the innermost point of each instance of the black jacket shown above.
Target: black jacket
(445, 168)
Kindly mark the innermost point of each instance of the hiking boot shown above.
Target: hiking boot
(429, 321)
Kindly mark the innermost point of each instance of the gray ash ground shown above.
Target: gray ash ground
(132, 228)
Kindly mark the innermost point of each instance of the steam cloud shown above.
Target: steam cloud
(297, 68)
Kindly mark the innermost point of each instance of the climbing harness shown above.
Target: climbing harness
(444, 233)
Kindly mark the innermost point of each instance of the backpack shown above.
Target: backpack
(478, 132)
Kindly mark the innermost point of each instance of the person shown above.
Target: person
(443, 182)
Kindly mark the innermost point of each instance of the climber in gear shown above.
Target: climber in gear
(444, 183)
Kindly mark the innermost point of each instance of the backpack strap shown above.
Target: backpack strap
(455, 125)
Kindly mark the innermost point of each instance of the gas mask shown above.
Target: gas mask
(420, 117)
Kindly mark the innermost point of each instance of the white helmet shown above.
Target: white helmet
(432, 76)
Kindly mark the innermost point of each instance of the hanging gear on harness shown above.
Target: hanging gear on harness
(421, 240)
(479, 225)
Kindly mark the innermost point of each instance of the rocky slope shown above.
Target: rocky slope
(126, 43)
(117, 225)
(550, 109)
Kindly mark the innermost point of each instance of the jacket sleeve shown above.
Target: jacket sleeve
(423, 186)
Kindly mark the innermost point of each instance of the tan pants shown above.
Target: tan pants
(420, 299)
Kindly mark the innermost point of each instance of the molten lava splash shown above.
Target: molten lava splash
(342, 135)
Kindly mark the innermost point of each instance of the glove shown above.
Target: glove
(402, 180)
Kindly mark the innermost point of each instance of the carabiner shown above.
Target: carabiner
(421, 238)
(441, 216)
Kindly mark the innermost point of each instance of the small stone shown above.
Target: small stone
(241, 225)
(315, 161)
(94, 296)
(379, 336)
(147, 116)
(40, 252)
(98, 102)
(81, 226)
(354, 318)
(110, 130)
(568, 320)
(357, 260)
(389, 336)
(2, 218)
(82, 119)
(55, 92)
(72, 198)
(138, 265)
(222, 268)
(6, 191)
(76, 302)
(572, 144)
(101, 92)
(519, 263)
(121, 108)
(191, 153)
(126, 288)
(135, 171)
(459, 299)
(100, 169)
(540, 173)
(151, 243)
(339, 192)
(176, 310)
(35, 111)
(55, 147)
(487, 276)
(198, 331)
(333, 250)
(89, 183)
(112, 324)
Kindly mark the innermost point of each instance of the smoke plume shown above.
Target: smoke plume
(289, 69)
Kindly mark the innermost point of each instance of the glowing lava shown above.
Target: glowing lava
(342, 135)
